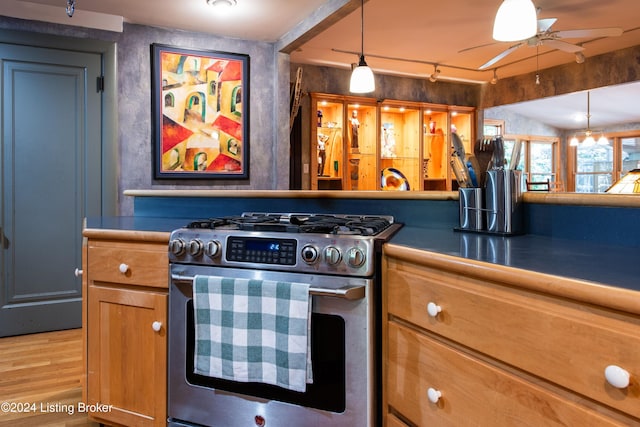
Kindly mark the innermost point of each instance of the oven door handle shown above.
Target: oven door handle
(350, 292)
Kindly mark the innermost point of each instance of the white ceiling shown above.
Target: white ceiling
(417, 33)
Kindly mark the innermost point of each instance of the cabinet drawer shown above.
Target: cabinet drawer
(470, 389)
(564, 342)
(129, 263)
(393, 421)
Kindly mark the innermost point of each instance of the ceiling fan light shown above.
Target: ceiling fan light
(603, 140)
(362, 80)
(516, 20)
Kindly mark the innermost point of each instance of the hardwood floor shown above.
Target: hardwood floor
(40, 380)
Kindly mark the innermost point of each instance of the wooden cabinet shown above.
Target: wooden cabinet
(365, 144)
(125, 325)
(499, 353)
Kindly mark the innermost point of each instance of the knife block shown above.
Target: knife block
(503, 197)
(472, 212)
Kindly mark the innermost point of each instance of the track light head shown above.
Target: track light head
(434, 76)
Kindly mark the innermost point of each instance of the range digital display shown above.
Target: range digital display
(262, 245)
(262, 250)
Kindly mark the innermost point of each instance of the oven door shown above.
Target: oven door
(341, 353)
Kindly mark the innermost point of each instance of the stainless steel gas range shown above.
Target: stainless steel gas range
(337, 258)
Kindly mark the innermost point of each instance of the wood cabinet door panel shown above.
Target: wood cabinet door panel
(127, 358)
(470, 389)
(564, 342)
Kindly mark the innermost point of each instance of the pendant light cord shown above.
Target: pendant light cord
(362, 30)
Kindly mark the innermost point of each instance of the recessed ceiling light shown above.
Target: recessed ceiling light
(222, 2)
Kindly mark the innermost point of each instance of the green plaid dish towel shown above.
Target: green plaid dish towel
(253, 331)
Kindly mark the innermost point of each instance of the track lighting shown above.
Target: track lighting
(434, 76)
(494, 80)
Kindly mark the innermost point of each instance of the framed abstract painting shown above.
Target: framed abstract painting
(200, 107)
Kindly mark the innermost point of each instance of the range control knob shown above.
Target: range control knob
(332, 255)
(309, 254)
(355, 257)
(212, 248)
(195, 247)
(177, 247)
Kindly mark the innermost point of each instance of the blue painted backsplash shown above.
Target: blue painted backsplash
(606, 225)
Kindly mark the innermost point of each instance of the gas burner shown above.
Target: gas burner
(211, 223)
(299, 223)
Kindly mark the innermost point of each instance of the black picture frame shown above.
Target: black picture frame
(200, 109)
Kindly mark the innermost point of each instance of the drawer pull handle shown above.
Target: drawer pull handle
(616, 376)
(433, 395)
(156, 326)
(78, 272)
(433, 309)
(123, 268)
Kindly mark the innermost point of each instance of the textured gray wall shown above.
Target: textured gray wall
(269, 90)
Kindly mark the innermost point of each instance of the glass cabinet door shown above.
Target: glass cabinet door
(327, 144)
(435, 150)
(400, 164)
(361, 147)
(462, 123)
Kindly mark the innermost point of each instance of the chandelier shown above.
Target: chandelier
(588, 140)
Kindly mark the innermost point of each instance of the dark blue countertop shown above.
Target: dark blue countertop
(605, 264)
(135, 223)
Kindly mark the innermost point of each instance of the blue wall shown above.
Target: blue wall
(605, 225)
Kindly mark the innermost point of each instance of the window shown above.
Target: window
(541, 161)
(630, 154)
(600, 166)
(538, 157)
(493, 127)
(594, 168)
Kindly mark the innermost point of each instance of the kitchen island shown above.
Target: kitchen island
(580, 294)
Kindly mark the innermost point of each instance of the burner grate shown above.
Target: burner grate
(298, 223)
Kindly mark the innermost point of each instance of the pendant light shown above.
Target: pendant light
(362, 80)
(516, 20)
(589, 140)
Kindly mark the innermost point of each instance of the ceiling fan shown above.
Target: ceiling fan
(547, 37)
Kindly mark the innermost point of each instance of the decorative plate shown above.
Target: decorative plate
(394, 180)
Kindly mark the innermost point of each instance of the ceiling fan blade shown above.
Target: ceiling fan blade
(545, 24)
(593, 32)
(476, 47)
(499, 57)
(563, 46)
